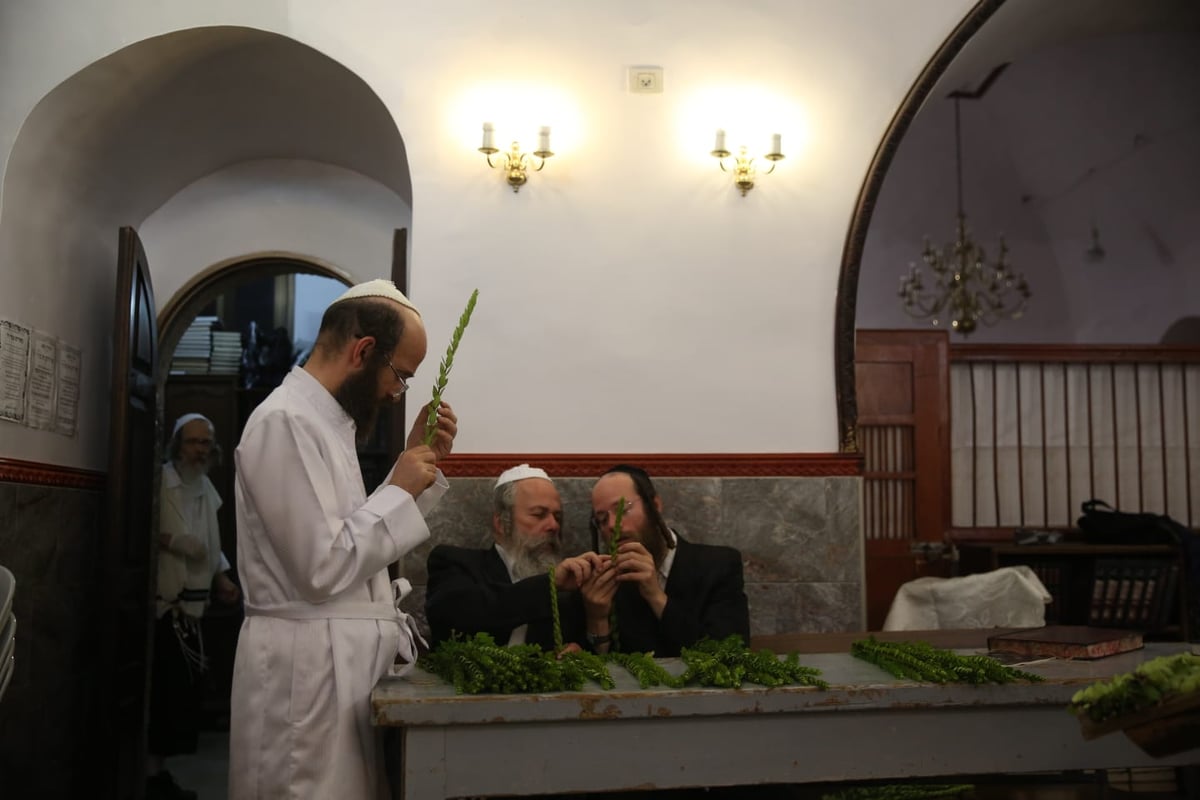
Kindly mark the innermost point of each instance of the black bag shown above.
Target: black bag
(1103, 524)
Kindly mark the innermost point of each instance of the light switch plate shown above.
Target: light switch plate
(645, 80)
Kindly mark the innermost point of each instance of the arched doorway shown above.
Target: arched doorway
(1056, 126)
(213, 142)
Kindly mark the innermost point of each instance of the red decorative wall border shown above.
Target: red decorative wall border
(672, 465)
(32, 472)
(559, 465)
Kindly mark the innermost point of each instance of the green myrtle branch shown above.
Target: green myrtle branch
(444, 370)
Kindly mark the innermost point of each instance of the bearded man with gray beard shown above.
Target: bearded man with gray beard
(190, 565)
(504, 589)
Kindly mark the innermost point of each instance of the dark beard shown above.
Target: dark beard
(654, 542)
(359, 397)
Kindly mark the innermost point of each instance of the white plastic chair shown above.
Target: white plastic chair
(8, 641)
(1009, 597)
(8, 628)
(8, 588)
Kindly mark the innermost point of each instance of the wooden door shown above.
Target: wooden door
(903, 390)
(126, 552)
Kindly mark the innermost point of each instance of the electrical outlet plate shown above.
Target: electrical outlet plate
(645, 80)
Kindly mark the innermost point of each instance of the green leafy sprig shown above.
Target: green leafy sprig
(581, 665)
(613, 544)
(728, 662)
(477, 665)
(647, 671)
(1155, 681)
(558, 640)
(920, 661)
(439, 386)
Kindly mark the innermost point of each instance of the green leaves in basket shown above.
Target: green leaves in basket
(1151, 683)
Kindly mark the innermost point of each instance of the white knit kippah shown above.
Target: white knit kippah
(186, 418)
(520, 473)
(379, 287)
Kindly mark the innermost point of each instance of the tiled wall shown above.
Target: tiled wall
(799, 540)
(48, 540)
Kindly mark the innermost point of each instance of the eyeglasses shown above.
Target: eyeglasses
(600, 518)
(403, 383)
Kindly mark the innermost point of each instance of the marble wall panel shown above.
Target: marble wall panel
(48, 539)
(799, 539)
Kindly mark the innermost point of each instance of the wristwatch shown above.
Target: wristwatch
(600, 638)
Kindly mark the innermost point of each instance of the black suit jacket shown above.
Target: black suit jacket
(705, 598)
(469, 591)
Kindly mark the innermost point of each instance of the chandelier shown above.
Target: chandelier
(965, 288)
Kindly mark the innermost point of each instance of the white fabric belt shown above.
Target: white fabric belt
(342, 610)
(331, 610)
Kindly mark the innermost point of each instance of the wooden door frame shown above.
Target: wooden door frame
(202, 289)
(868, 196)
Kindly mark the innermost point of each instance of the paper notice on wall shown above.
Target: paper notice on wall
(66, 407)
(14, 369)
(43, 377)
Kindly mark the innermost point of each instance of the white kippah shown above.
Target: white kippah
(186, 418)
(520, 473)
(379, 287)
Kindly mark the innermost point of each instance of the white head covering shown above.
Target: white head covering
(186, 418)
(520, 473)
(377, 288)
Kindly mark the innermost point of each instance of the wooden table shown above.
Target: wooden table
(868, 725)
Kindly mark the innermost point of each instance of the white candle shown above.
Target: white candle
(720, 143)
(489, 136)
(776, 143)
(544, 139)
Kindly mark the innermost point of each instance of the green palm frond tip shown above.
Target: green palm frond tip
(444, 370)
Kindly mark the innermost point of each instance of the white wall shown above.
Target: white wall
(318, 211)
(630, 298)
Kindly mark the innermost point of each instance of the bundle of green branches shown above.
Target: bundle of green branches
(443, 377)
(923, 662)
(1153, 682)
(728, 662)
(477, 665)
(903, 791)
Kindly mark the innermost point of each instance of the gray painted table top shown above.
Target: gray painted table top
(420, 699)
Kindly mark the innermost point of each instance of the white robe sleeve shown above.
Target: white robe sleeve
(288, 481)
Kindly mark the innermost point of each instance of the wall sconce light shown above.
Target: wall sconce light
(515, 163)
(742, 165)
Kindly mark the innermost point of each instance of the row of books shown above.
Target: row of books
(226, 353)
(1133, 593)
(202, 350)
(1051, 576)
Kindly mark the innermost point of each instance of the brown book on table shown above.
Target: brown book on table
(1067, 641)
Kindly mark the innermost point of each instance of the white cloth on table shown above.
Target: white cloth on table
(1009, 597)
(322, 625)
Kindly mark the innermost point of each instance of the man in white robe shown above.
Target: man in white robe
(322, 624)
(190, 563)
